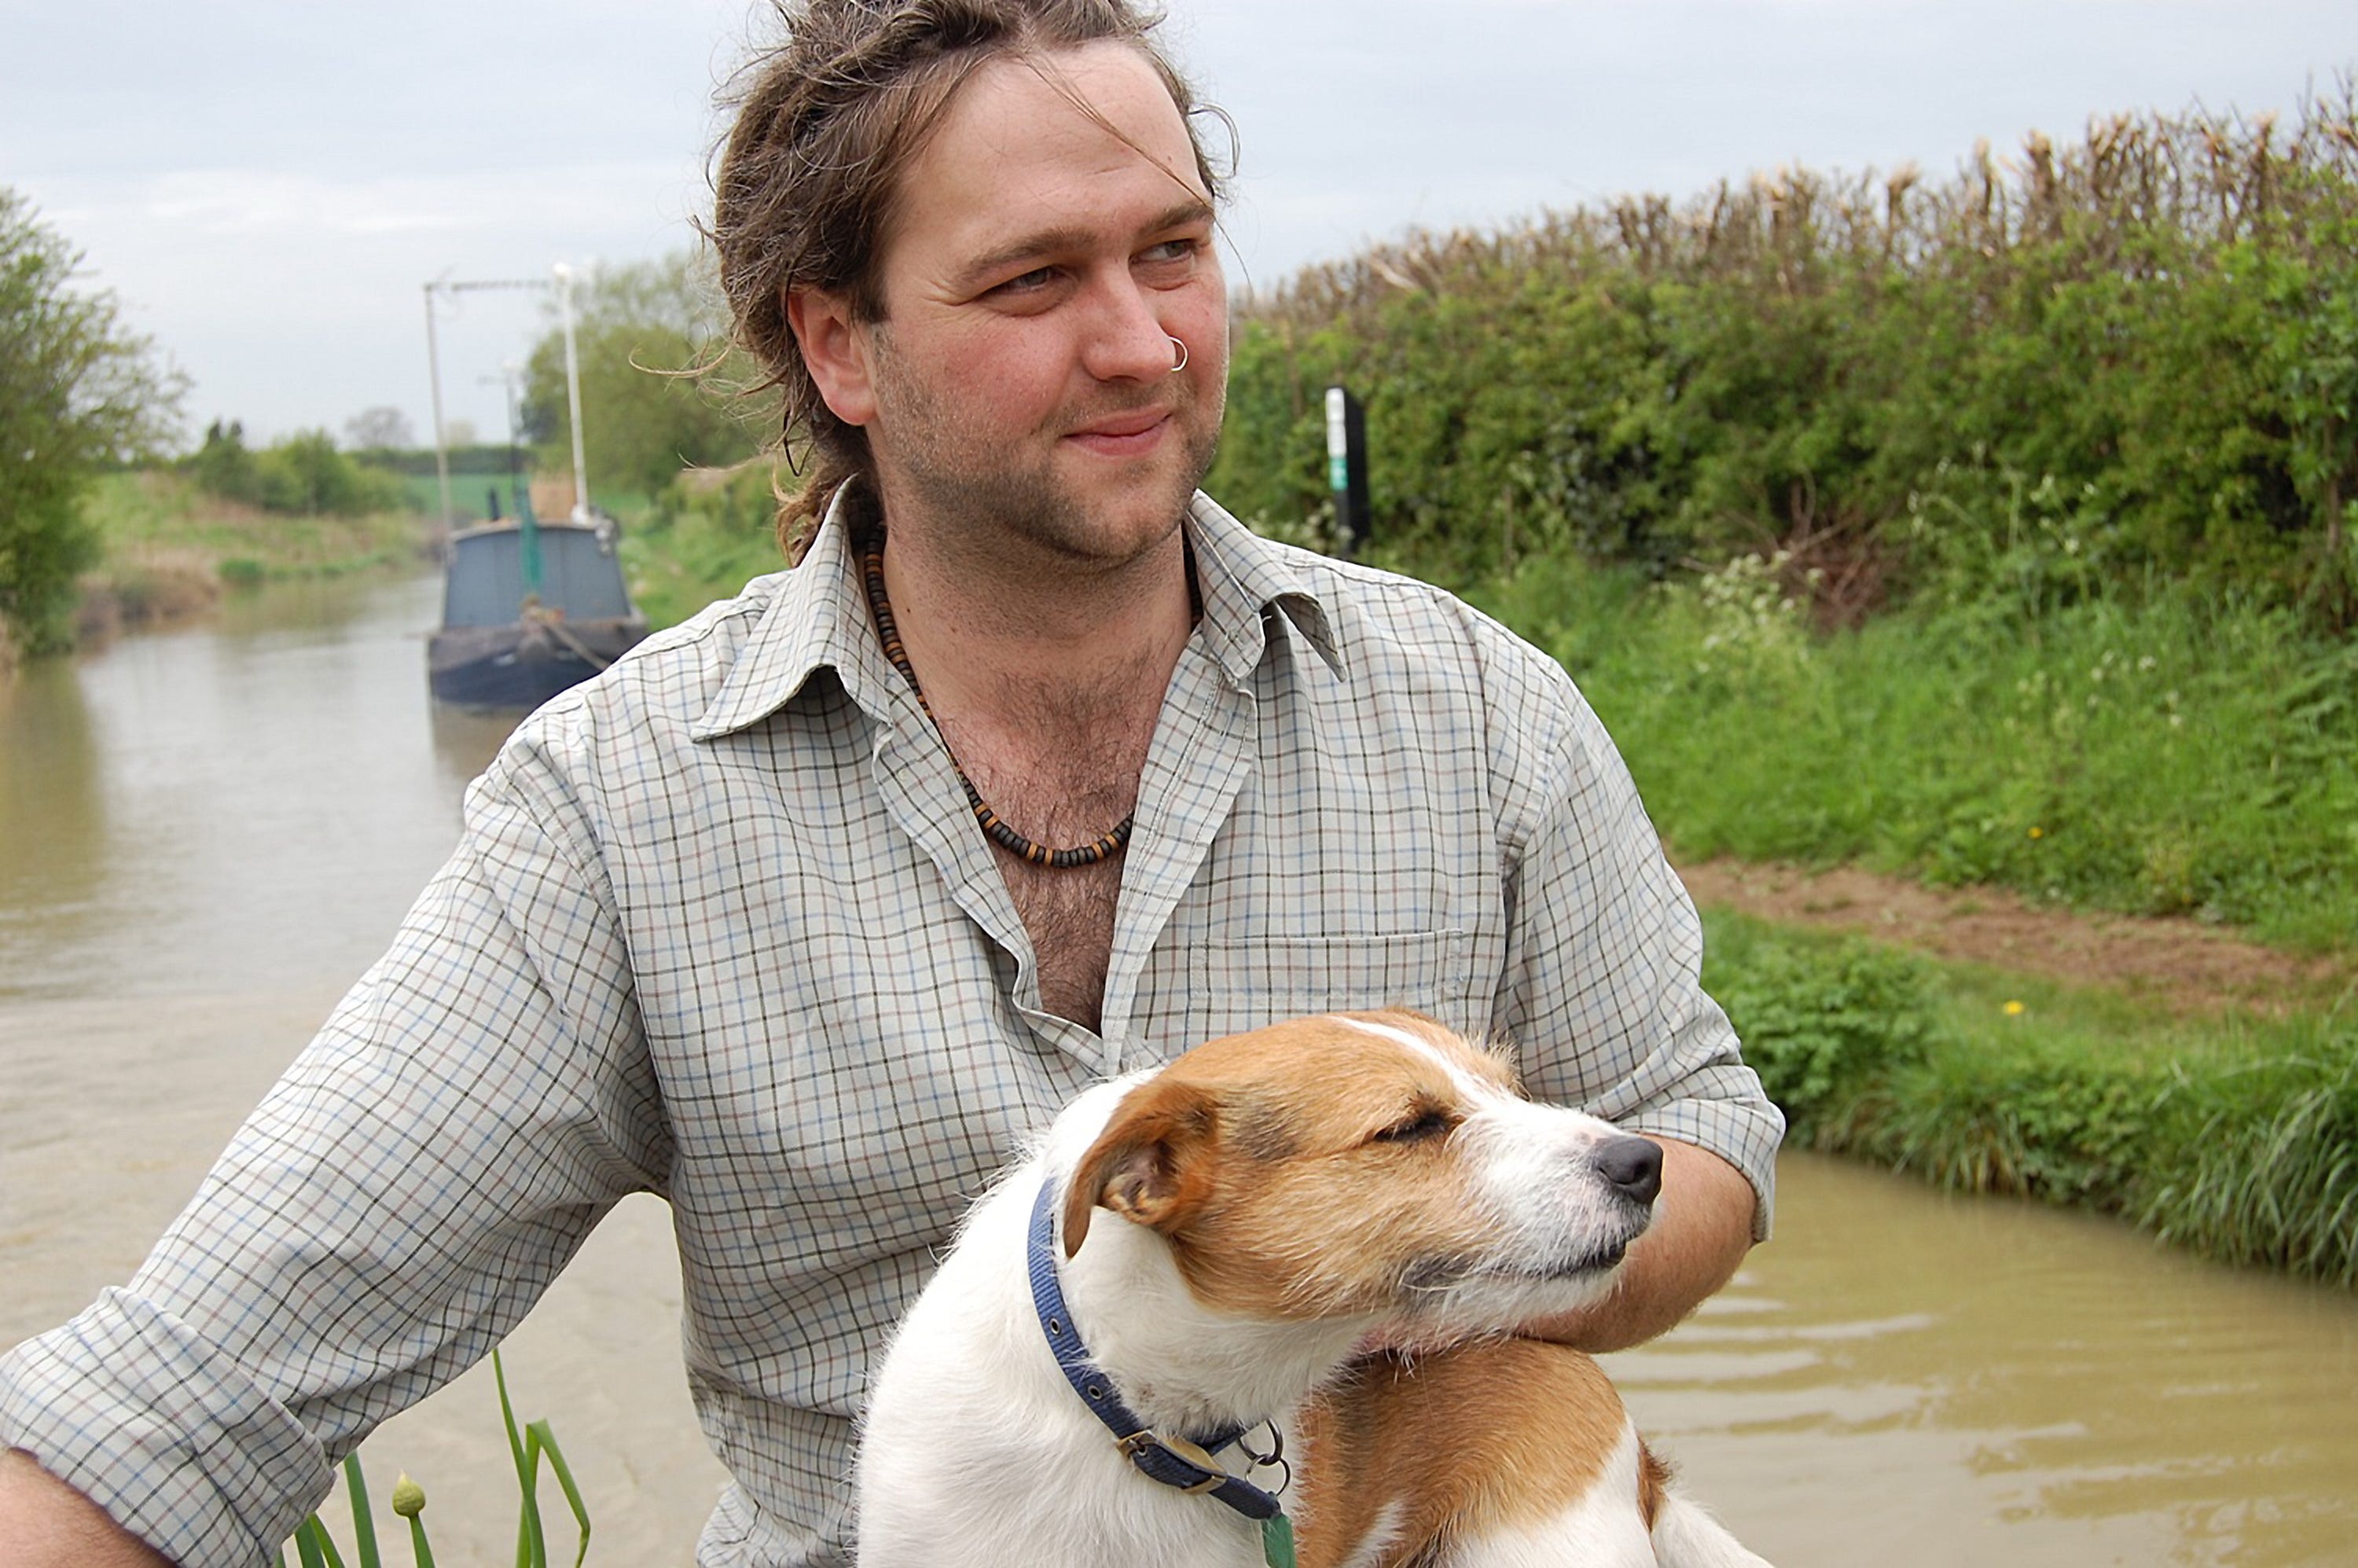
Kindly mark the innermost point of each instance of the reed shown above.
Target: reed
(2269, 1172)
(2208, 179)
(528, 1445)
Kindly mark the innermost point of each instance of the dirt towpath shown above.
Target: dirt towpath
(2190, 967)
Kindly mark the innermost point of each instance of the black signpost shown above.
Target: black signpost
(1347, 468)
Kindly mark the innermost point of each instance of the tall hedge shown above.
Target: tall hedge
(2160, 323)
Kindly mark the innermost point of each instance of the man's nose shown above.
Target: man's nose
(1127, 341)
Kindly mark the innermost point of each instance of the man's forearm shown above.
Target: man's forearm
(45, 1523)
(1703, 1228)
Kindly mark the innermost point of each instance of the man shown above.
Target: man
(1036, 768)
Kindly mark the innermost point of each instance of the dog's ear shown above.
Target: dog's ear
(1151, 1166)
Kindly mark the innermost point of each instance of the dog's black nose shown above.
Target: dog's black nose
(1633, 1165)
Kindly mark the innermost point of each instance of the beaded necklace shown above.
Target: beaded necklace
(871, 569)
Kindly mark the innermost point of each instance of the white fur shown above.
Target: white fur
(976, 1452)
(1600, 1529)
(1686, 1536)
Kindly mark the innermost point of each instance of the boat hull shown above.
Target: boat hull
(523, 664)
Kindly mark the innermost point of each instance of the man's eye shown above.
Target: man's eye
(1038, 278)
(1169, 251)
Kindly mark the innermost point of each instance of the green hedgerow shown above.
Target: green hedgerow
(1825, 1025)
(2236, 1136)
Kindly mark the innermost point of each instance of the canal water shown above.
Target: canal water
(205, 835)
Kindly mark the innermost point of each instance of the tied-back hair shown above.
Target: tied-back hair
(826, 121)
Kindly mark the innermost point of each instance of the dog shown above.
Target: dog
(1189, 1263)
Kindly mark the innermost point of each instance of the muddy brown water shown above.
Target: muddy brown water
(206, 834)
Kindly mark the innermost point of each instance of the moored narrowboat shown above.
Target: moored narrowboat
(529, 608)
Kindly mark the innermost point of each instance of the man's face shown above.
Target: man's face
(1019, 388)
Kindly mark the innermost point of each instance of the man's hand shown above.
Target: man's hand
(44, 1523)
(1703, 1228)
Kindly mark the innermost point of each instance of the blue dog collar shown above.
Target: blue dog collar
(1173, 1461)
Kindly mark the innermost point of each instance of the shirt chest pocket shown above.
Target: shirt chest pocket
(1216, 987)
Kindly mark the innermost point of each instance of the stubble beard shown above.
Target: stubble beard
(987, 500)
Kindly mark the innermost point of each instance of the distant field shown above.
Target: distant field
(470, 496)
(147, 515)
(170, 548)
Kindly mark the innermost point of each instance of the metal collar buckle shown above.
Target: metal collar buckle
(1179, 1448)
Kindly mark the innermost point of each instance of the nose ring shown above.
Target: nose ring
(1183, 354)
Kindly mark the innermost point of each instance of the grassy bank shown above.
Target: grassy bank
(2236, 1136)
(702, 538)
(169, 549)
(2166, 754)
(2153, 752)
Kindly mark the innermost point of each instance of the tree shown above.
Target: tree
(300, 475)
(79, 391)
(646, 333)
(303, 475)
(380, 429)
(225, 465)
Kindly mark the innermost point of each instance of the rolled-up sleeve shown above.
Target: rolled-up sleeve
(397, 1202)
(1604, 996)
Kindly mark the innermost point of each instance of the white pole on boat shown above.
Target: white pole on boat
(573, 393)
(434, 373)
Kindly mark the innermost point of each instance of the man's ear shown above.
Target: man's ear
(835, 352)
(1152, 1164)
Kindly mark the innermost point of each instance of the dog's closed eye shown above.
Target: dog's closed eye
(1417, 1127)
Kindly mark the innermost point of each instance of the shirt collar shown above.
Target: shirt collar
(819, 618)
(1243, 575)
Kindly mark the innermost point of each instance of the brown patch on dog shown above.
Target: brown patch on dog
(1471, 1439)
(1263, 1134)
(1654, 1476)
(1285, 1180)
(1154, 1164)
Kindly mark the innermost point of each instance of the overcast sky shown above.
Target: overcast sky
(266, 185)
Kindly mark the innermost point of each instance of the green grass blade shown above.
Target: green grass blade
(315, 1545)
(547, 1437)
(507, 1413)
(531, 1544)
(364, 1545)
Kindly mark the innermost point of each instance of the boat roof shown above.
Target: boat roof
(514, 526)
(573, 568)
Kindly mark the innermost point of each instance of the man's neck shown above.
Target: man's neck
(1027, 648)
